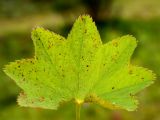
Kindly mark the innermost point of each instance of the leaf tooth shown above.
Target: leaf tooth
(148, 70)
(35, 29)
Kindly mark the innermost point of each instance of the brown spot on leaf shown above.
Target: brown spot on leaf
(32, 102)
(115, 43)
(49, 46)
(142, 78)
(131, 94)
(41, 99)
(22, 95)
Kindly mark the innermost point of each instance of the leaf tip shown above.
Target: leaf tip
(131, 38)
(85, 18)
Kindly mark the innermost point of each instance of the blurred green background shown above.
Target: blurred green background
(140, 18)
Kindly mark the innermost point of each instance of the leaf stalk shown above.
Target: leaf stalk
(78, 111)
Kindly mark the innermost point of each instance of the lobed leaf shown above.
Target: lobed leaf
(79, 68)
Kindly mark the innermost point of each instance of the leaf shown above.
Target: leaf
(79, 68)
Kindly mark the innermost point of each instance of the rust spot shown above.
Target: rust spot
(115, 43)
(32, 102)
(49, 46)
(41, 99)
(82, 57)
(22, 95)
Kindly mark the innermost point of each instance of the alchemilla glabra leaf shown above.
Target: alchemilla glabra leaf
(79, 68)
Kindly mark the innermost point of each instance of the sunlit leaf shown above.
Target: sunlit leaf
(80, 68)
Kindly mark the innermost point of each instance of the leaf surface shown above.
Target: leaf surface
(79, 68)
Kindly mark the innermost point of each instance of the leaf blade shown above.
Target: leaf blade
(79, 68)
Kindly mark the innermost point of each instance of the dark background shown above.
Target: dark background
(114, 18)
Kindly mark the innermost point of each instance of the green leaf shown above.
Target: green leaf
(79, 68)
